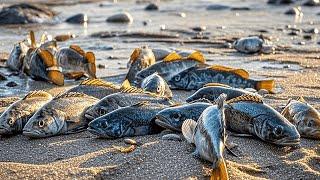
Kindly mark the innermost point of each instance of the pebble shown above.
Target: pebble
(307, 37)
(124, 17)
(228, 45)
(199, 28)
(182, 14)
(312, 3)
(78, 19)
(280, 1)
(263, 92)
(312, 31)
(294, 11)
(130, 141)
(302, 43)
(101, 66)
(240, 9)
(286, 66)
(171, 137)
(11, 84)
(152, 7)
(217, 7)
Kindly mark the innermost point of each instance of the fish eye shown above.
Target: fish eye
(158, 89)
(177, 78)
(176, 116)
(41, 123)
(278, 130)
(10, 122)
(310, 123)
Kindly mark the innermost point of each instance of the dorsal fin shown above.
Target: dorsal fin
(32, 39)
(197, 56)
(246, 97)
(90, 57)
(71, 94)
(241, 72)
(216, 85)
(301, 99)
(175, 105)
(174, 56)
(98, 82)
(77, 49)
(47, 57)
(39, 93)
(134, 56)
(127, 88)
(126, 84)
(141, 103)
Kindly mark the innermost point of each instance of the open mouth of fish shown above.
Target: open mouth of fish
(161, 122)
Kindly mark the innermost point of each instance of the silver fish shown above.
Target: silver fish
(62, 115)
(305, 117)
(16, 115)
(156, 84)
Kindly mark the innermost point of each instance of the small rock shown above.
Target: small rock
(280, 1)
(199, 28)
(145, 23)
(295, 33)
(263, 92)
(312, 31)
(302, 43)
(217, 7)
(182, 14)
(124, 17)
(130, 141)
(294, 11)
(171, 137)
(101, 66)
(240, 9)
(228, 45)
(78, 19)
(307, 37)
(152, 7)
(312, 3)
(163, 27)
(2, 77)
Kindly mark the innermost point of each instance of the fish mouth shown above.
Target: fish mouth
(89, 116)
(289, 141)
(4, 130)
(161, 121)
(32, 133)
(98, 133)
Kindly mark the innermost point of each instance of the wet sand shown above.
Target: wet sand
(83, 156)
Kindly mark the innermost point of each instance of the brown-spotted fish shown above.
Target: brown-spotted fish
(5, 102)
(16, 115)
(75, 62)
(141, 58)
(247, 114)
(196, 77)
(305, 117)
(96, 88)
(208, 134)
(64, 114)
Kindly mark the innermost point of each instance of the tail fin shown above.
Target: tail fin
(32, 39)
(220, 171)
(188, 128)
(91, 59)
(221, 100)
(266, 84)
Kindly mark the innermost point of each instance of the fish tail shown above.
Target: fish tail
(220, 171)
(188, 128)
(265, 84)
(221, 100)
(91, 59)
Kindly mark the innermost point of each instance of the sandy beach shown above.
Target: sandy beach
(294, 67)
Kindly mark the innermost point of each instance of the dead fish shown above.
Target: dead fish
(247, 114)
(209, 137)
(160, 54)
(5, 102)
(76, 62)
(16, 115)
(135, 120)
(305, 117)
(64, 114)
(96, 88)
(15, 60)
(171, 65)
(212, 91)
(253, 44)
(156, 84)
(173, 117)
(128, 96)
(141, 58)
(196, 77)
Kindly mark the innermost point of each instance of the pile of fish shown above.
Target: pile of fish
(143, 104)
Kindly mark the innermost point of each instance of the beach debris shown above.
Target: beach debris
(64, 37)
(123, 17)
(196, 77)
(305, 117)
(152, 7)
(199, 28)
(171, 137)
(125, 149)
(78, 19)
(212, 91)
(13, 119)
(96, 88)
(173, 117)
(171, 65)
(253, 44)
(131, 141)
(141, 58)
(208, 134)
(25, 13)
(64, 114)
(5, 102)
(76, 62)
(247, 114)
(128, 96)
(135, 120)
(156, 84)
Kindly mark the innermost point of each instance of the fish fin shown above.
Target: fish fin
(77, 49)
(172, 57)
(220, 101)
(134, 56)
(47, 57)
(91, 59)
(197, 56)
(188, 128)
(127, 88)
(126, 84)
(246, 97)
(71, 94)
(98, 82)
(241, 72)
(216, 85)
(39, 93)
(220, 171)
(301, 99)
(141, 103)
(32, 39)
(266, 84)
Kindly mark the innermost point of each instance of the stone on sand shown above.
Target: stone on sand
(124, 17)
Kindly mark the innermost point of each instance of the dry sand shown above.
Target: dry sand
(83, 156)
